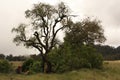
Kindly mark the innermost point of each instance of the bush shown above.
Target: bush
(36, 67)
(32, 66)
(27, 64)
(68, 58)
(58, 60)
(5, 66)
(94, 59)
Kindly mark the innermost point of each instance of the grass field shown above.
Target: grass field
(111, 71)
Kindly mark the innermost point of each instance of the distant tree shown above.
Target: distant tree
(35, 57)
(2, 56)
(9, 57)
(105, 49)
(19, 58)
(118, 49)
(15, 58)
(46, 22)
(109, 52)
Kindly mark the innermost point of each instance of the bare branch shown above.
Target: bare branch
(57, 21)
(52, 41)
(37, 37)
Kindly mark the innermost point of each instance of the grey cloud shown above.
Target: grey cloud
(107, 11)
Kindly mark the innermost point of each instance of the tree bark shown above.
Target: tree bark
(46, 65)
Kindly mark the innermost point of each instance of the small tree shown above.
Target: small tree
(46, 22)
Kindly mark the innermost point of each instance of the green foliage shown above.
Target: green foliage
(85, 32)
(32, 66)
(77, 50)
(5, 67)
(94, 59)
(36, 67)
(66, 58)
(27, 64)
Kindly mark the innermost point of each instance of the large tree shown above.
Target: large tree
(45, 23)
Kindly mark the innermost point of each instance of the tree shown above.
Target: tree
(2, 56)
(78, 49)
(9, 57)
(86, 32)
(46, 22)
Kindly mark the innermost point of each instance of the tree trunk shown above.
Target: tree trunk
(43, 62)
(46, 65)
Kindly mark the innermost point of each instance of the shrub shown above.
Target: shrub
(36, 67)
(31, 66)
(27, 64)
(94, 59)
(5, 66)
(68, 58)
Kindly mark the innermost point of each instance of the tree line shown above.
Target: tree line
(13, 58)
(109, 52)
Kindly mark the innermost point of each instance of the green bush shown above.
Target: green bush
(68, 58)
(32, 66)
(5, 66)
(36, 67)
(27, 65)
(94, 59)
(58, 60)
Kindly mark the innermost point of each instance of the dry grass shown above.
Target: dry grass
(15, 64)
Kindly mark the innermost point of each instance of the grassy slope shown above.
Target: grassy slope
(110, 72)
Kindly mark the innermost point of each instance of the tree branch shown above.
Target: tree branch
(57, 21)
(37, 37)
(52, 41)
(34, 45)
(46, 32)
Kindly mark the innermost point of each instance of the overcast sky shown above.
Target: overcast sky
(12, 14)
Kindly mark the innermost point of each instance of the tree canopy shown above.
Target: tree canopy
(86, 32)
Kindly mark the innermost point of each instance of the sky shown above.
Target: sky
(12, 14)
